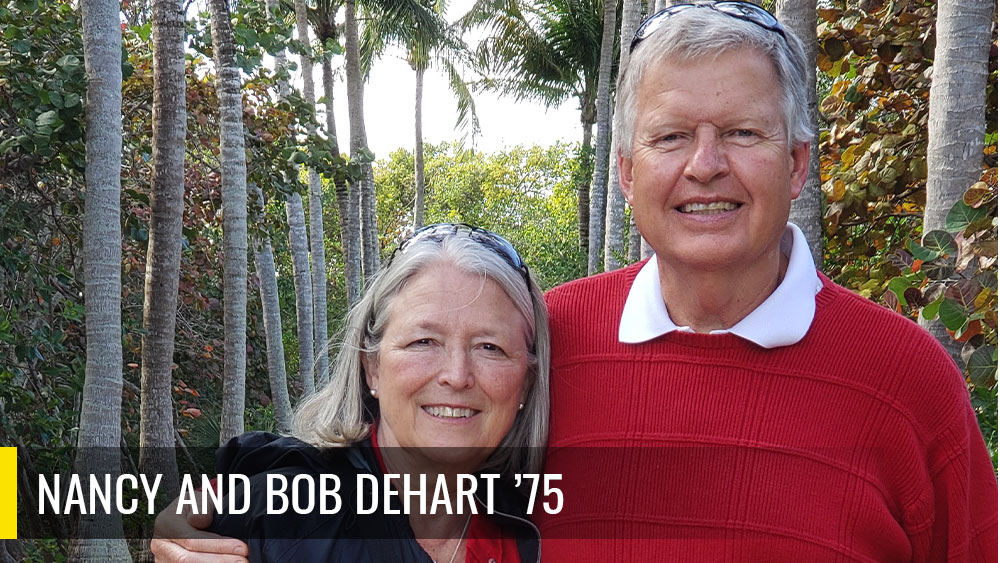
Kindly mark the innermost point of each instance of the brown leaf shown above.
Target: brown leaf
(914, 297)
(975, 194)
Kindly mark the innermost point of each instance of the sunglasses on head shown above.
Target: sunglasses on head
(740, 10)
(440, 231)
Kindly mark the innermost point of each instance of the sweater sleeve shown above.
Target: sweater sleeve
(962, 502)
(965, 497)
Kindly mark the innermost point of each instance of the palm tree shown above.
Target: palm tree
(163, 256)
(299, 248)
(799, 17)
(271, 307)
(614, 243)
(298, 242)
(599, 185)
(233, 158)
(100, 409)
(546, 51)
(316, 236)
(419, 27)
(268, 279)
(359, 143)
(955, 127)
(323, 16)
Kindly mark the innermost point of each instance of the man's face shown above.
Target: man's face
(712, 176)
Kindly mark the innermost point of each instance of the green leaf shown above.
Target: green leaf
(940, 242)
(940, 268)
(919, 252)
(47, 119)
(144, 31)
(952, 315)
(931, 309)
(68, 61)
(982, 365)
(70, 100)
(961, 215)
(899, 286)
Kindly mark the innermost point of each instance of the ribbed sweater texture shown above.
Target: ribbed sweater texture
(856, 444)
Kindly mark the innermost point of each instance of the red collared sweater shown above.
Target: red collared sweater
(856, 444)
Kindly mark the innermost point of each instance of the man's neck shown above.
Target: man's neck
(718, 299)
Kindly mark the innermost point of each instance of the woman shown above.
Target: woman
(443, 371)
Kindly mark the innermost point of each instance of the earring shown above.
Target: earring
(520, 407)
(374, 393)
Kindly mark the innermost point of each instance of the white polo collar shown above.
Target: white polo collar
(782, 319)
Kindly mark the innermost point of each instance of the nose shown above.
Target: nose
(457, 371)
(708, 159)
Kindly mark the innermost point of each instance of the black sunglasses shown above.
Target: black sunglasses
(740, 10)
(440, 231)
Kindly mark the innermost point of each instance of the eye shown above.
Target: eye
(743, 137)
(420, 342)
(491, 347)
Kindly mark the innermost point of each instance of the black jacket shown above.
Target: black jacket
(345, 536)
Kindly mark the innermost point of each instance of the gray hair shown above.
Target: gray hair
(342, 412)
(695, 33)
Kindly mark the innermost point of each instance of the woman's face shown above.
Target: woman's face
(451, 369)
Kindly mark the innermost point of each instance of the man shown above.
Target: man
(723, 401)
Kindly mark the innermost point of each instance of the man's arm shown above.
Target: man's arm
(965, 497)
(180, 538)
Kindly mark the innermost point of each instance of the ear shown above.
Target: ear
(800, 167)
(625, 176)
(370, 363)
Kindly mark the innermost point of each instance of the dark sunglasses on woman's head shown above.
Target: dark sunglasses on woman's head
(740, 10)
(440, 231)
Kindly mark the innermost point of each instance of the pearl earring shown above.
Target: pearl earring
(520, 407)
(374, 393)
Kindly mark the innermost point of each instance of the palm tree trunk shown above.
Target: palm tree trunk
(100, 410)
(614, 239)
(163, 256)
(359, 143)
(599, 185)
(299, 244)
(349, 234)
(634, 241)
(799, 17)
(264, 264)
(955, 127)
(299, 249)
(317, 250)
(583, 188)
(418, 150)
(234, 216)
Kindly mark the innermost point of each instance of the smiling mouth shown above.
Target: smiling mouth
(708, 208)
(449, 412)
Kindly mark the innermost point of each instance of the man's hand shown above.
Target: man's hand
(178, 538)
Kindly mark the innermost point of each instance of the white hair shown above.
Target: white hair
(696, 33)
(342, 412)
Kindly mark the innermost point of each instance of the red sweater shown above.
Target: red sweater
(856, 444)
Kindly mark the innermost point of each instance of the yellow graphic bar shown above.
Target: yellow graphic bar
(8, 493)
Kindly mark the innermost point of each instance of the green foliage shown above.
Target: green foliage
(528, 195)
(873, 156)
(42, 86)
(874, 169)
(952, 276)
